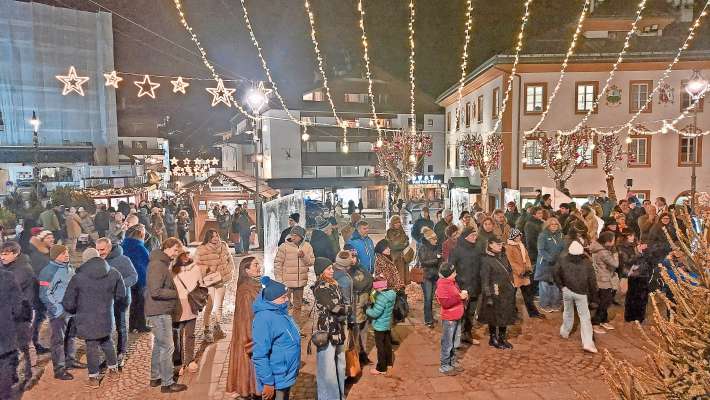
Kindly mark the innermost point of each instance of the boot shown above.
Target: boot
(503, 339)
(493, 341)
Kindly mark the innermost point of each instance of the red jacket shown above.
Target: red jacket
(446, 248)
(448, 295)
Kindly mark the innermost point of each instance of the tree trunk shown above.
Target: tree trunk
(560, 184)
(404, 189)
(484, 193)
(610, 187)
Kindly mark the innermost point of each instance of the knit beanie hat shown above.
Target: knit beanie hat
(88, 254)
(272, 290)
(298, 230)
(344, 259)
(56, 251)
(381, 284)
(576, 248)
(321, 264)
(514, 233)
(446, 270)
(322, 223)
(35, 231)
(295, 217)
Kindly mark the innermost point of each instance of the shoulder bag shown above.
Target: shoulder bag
(197, 297)
(416, 274)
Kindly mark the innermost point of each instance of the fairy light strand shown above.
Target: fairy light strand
(411, 60)
(464, 62)
(368, 72)
(667, 72)
(615, 67)
(563, 69)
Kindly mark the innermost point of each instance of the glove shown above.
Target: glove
(268, 393)
(489, 301)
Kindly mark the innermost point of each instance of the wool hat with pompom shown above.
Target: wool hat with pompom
(271, 289)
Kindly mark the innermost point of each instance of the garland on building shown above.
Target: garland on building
(612, 151)
(484, 155)
(678, 347)
(563, 154)
(400, 156)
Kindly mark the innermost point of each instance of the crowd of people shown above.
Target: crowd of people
(575, 257)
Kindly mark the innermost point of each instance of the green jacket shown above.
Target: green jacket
(49, 220)
(381, 311)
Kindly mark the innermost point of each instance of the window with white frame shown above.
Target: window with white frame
(689, 150)
(308, 172)
(639, 151)
(314, 95)
(533, 153)
(638, 92)
(479, 106)
(356, 98)
(535, 94)
(496, 103)
(468, 114)
(586, 94)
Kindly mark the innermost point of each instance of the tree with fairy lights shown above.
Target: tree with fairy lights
(563, 153)
(612, 151)
(484, 155)
(399, 157)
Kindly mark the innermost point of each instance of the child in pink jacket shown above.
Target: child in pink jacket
(451, 299)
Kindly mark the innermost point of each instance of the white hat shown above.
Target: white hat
(576, 248)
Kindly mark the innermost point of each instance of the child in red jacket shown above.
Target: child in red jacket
(451, 299)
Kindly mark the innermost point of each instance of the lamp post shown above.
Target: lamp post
(35, 146)
(257, 98)
(696, 88)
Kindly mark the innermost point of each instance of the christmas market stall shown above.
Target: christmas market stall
(110, 197)
(227, 188)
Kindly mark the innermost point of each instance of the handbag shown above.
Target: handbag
(623, 286)
(408, 255)
(197, 297)
(352, 360)
(319, 338)
(211, 279)
(401, 307)
(416, 274)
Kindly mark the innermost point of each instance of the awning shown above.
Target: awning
(226, 181)
(463, 182)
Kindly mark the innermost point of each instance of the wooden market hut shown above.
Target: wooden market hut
(223, 188)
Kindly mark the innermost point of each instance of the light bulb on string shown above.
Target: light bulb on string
(412, 158)
(629, 140)
(378, 143)
(305, 136)
(345, 148)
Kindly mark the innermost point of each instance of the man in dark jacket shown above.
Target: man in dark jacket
(466, 259)
(19, 264)
(91, 296)
(134, 248)
(244, 230)
(532, 230)
(161, 300)
(14, 310)
(113, 254)
(320, 240)
(292, 221)
(422, 221)
(101, 220)
(440, 228)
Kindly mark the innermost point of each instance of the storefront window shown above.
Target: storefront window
(56, 174)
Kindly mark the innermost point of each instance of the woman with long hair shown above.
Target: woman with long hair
(217, 266)
(241, 377)
(186, 277)
(550, 244)
(183, 226)
(398, 245)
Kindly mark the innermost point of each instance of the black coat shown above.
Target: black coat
(101, 220)
(576, 274)
(13, 309)
(161, 297)
(497, 284)
(466, 259)
(284, 235)
(322, 245)
(429, 257)
(532, 230)
(25, 279)
(91, 296)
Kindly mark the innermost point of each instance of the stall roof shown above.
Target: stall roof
(238, 178)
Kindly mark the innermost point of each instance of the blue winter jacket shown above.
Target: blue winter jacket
(381, 311)
(549, 247)
(365, 250)
(135, 250)
(125, 267)
(277, 345)
(53, 281)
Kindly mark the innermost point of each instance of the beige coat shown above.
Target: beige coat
(190, 276)
(520, 263)
(73, 225)
(215, 258)
(289, 268)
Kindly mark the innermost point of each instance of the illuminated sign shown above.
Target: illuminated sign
(426, 179)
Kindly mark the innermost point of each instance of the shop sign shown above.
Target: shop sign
(229, 188)
(426, 179)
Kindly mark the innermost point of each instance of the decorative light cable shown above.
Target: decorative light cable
(319, 58)
(411, 61)
(464, 62)
(368, 73)
(518, 47)
(667, 72)
(205, 60)
(570, 51)
(264, 66)
(615, 67)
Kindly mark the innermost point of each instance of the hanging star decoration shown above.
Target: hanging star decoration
(112, 79)
(179, 85)
(221, 94)
(72, 82)
(146, 87)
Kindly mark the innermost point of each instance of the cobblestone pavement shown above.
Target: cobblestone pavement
(541, 366)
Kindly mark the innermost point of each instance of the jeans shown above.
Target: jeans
(136, 318)
(62, 342)
(572, 299)
(450, 340)
(549, 295)
(161, 361)
(39, 316)
(606, 296)
(330, 376)
(120, 315)
(428, 287)
(528, 293)
(94, 348)
(8, 374)
(215, 300)
(383, 342)
(182, 235)
(282, 394)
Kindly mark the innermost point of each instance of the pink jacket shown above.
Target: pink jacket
(448, 296)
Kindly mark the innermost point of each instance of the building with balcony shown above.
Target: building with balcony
(37, 43)
(318, 166)
(660, 164)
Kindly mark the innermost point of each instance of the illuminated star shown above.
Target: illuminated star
(174, 161)
(112, 79)
(72, 82)
(221, 94)
(146, 87)
(179, 85)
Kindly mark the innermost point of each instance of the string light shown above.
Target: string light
(615, 67)
(112, 79)
(570, 51)
(146, 87)
(220, 94)
(464, 59)
(666, 73)
(179, 85)
(411, 59)
(72, 82)
(368, 73)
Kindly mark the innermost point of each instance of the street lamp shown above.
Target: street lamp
(34, 122)
(257, 98)
(696, 88)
